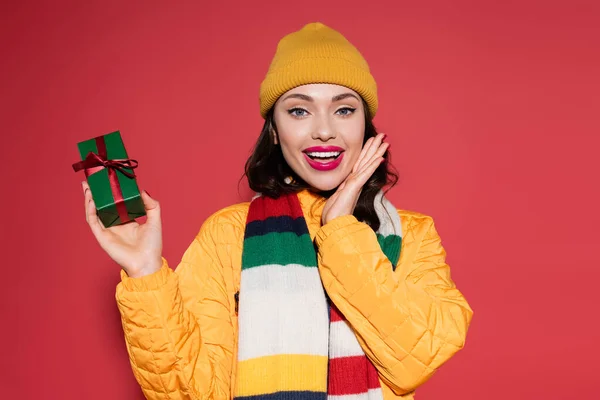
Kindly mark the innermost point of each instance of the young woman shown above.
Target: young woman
(317, 288)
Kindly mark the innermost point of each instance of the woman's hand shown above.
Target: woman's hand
(343, 201)
(136, 248)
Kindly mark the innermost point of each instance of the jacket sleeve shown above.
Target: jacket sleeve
(178, 325)
(409, 321)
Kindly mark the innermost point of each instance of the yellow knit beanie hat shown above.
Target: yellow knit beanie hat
(317, 54)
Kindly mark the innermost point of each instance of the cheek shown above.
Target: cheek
(290, 135)
(293, 139)
(290, 148)
(287, 143)
(354, 142)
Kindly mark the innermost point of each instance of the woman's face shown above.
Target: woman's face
(320, 129)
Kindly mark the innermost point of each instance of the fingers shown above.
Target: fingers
(381, 150)
(152, 208)
(362, 154)
(374, 153)
(369, 152)
(368, 161)
(375, 146)
(377, 156)
(90, 211)
(363, 175)
(372, 156)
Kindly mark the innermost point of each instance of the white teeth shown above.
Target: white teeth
(322, 154)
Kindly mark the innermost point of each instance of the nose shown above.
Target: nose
(323, 129)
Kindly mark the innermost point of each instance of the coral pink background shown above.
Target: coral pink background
(491, 109)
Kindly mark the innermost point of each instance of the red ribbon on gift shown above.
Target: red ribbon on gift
(96, 162)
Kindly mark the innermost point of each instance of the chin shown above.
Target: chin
(324, 183)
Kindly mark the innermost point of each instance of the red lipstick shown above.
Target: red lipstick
(324, 165)
(319, 149)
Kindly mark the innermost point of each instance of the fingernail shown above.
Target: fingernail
(147, 192)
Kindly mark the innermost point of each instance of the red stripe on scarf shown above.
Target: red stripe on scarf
(352, 375)
(335, 315)
(372, 376)
(348, 375)
(268, 207)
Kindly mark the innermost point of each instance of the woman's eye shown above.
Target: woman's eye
(298, 112)
(346, 111)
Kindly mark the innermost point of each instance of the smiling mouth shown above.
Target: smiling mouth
(323, 156)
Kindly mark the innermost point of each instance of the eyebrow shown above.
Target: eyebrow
(308, 98)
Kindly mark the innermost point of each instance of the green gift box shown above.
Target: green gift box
(110, 175)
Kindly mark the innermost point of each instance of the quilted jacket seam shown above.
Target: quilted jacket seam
(173, 352)
(444, 339)
(219, 242)
(130, 348)
(428, 368)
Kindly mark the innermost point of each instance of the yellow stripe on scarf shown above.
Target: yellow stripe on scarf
(285, 372)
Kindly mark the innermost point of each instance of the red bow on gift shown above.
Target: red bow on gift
(94, 163)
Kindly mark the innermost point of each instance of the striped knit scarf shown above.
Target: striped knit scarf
(293, 343)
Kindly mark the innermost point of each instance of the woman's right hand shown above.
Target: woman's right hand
(136, 248)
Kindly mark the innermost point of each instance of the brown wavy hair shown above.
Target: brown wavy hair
(266, 170)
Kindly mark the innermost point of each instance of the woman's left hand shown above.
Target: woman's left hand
(343, 201)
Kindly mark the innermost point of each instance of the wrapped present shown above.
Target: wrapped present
(110, 175)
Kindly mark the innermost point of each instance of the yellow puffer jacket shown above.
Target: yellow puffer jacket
(181, 327)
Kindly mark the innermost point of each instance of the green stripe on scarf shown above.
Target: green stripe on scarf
(390, 245)
(278, 248)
